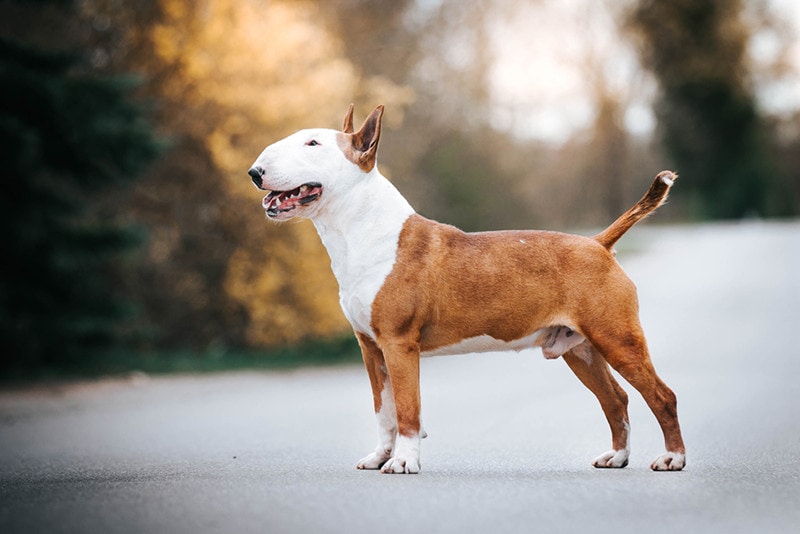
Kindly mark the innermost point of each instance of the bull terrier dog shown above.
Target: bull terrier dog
(412, 287)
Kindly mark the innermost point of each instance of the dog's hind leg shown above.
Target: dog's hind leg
(590, 367)
(383, 399)
(625, 349)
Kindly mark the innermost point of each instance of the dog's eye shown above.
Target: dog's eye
(313, 142)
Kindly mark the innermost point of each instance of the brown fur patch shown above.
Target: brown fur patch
(402, 363)
(374, 363)
(655, 196)
(361, 147)
(448, 285)
(597, 377)
(347, 124)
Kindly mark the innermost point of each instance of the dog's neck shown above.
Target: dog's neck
(361, 230)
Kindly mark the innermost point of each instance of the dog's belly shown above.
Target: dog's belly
(486, 343)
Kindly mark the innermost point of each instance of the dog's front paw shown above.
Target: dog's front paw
(612, 458)
(406, 456)
(670, 461)
(374, 460)
(398, 465)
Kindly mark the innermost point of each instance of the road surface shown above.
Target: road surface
(511, 435)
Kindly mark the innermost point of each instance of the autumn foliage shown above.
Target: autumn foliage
(221, 79)
(232, 78)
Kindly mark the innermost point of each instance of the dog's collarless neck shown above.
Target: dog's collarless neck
(361, 236)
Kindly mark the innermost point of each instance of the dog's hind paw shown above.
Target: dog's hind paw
(612, 458)
(670, 461)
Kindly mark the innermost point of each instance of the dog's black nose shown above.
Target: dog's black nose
(255, 174)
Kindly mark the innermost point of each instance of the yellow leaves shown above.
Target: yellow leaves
(380, 89)
(241, 75)
(274, 59)
(286, 286)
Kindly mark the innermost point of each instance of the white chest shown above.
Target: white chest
(362, 237)
(362, 276)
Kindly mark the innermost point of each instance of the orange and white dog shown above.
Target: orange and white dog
(414, 287)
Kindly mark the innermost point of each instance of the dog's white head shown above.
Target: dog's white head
(302, 171)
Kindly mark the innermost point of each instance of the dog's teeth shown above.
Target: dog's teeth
(303, 188)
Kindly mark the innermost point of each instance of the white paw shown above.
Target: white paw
(406, 456)
(612, 458)
(374, 460)
(670, 461)
(401, 465)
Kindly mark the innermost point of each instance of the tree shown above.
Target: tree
(706, 110)
(233, 77)
(66, 137)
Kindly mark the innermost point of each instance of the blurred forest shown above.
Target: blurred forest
(131, 125)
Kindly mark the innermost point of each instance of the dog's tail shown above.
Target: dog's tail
(655, 196)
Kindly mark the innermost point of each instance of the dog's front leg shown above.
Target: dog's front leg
(383, 400)
(402, 364)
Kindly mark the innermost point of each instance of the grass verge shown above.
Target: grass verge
(339, 351)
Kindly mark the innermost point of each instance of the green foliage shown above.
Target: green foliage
(122, 361)
(717, 138)
(66, 137)
(707, 112)
(214, 277)
(468, 189)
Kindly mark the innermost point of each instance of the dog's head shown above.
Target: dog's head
(302, 171)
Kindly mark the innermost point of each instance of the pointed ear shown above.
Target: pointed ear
(347, 127)
(365, 140)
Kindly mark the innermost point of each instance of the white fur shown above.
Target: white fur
(406, 456)
(359, 215)
(361, 236)
(614, 457)
(669, 461)
(486, 343)
(584, 352)
(387, 431)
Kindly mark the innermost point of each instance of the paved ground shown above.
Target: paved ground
(511, 435)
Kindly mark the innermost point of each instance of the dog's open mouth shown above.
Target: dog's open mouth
(277, 202)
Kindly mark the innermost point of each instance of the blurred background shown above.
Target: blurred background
(134, 238)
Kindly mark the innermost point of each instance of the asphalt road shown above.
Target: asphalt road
(511, 435)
